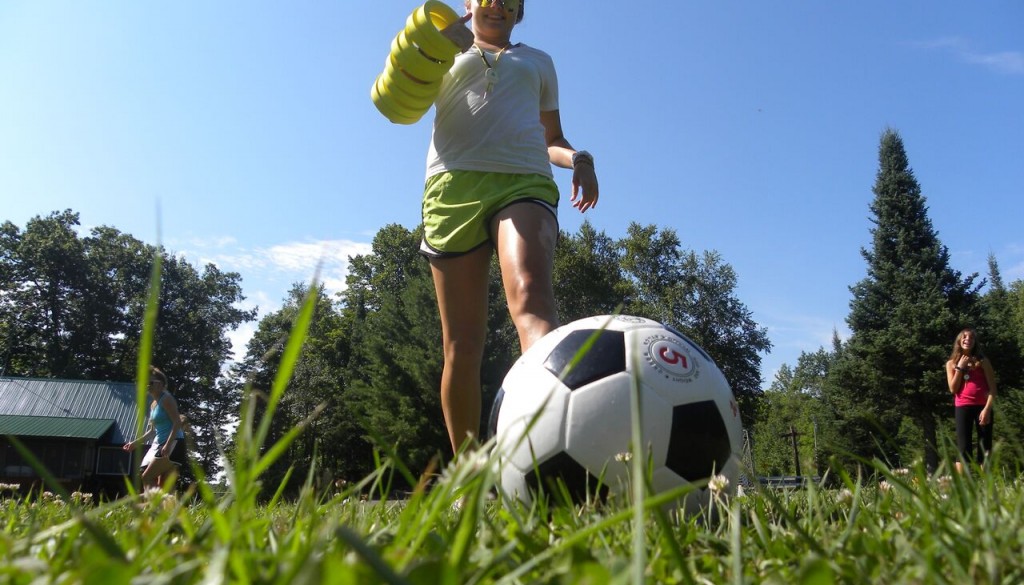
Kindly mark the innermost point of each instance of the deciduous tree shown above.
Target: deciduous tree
(696, 293)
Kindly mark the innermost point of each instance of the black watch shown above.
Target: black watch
(582, 156)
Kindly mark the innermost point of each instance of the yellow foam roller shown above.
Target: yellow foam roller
(393, 75)
(424, 27)
(401, 95)
(397, 106)
(415, 63)
(420, 57)
(392, 110)
(409, 103)
(400, 98)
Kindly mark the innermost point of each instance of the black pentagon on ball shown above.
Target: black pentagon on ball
(699, 443)
(549, 476)
(605, 357)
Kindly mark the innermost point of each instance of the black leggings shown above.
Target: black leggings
(966, 421)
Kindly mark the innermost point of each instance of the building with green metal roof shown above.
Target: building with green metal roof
(75, 428)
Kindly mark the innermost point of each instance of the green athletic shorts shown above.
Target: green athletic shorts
(458, 207)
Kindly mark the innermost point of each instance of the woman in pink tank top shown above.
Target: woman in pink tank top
(972, 381)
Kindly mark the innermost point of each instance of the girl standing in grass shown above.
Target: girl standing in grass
(972, 381)
(489, 186)
(165, 428)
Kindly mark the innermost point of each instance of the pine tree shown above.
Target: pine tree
(903, 318)
(1000, 334)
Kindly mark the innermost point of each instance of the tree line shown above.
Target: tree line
(71, 307)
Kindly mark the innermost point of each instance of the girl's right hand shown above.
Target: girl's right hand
(457, 33)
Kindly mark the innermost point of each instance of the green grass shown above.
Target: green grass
(907, 528)
(901, 527)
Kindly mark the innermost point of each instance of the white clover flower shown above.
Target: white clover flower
(718, 484)
(168, 502)
(845, 496)
(152, 494)
(624, 457)
(901, 472)
(945, 482)
(884, 486)
(81, 497)
(478, 461)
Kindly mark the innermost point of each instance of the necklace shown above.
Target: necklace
(491, 73)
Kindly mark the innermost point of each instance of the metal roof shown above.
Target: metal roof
(72, 399)
(53, 426)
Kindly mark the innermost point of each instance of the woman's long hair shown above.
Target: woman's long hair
(958, 349)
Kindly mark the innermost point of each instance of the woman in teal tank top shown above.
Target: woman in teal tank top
(165, 429)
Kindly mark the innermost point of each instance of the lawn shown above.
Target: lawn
(905, 526)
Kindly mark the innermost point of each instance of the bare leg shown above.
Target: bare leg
(461, 285)
(526, 234)
(152, 476)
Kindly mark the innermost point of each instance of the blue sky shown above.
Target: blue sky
(750, 128)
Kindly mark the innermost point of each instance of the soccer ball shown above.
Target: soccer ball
(577, 429)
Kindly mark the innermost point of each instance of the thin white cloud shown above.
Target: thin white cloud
(286, 263)
(268, 273)
(305, 256)
(804, 334)
(1010, 62)
(792, 334)
(1006, 62)
(239, 339)
(1014, 272)
(1010, 258)
(333, 285)
(213, 242)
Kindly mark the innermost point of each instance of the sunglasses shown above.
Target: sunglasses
(508, 5)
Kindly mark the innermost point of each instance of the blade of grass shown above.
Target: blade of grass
(639, 472)
(145, 356)
(278, 449)
(736, 543)
(384, 571)
(288, 359)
